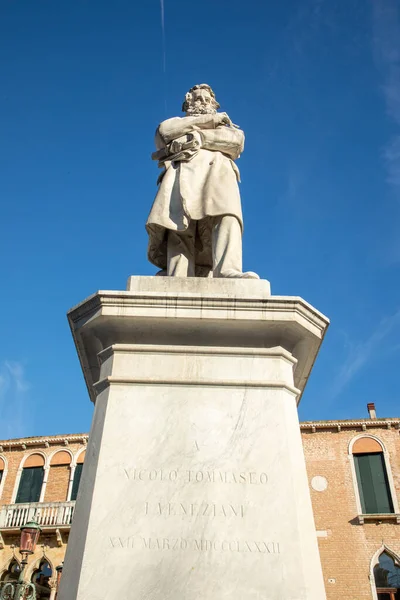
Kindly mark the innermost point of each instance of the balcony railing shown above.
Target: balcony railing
(47, 514)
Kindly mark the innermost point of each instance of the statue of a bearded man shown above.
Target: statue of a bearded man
(195, 224)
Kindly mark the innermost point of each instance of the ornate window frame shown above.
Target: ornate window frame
(7, 564)
(36, 564)
(53, 579)
(46, 468)
(73, 467)
(375, 517)
(375, 561)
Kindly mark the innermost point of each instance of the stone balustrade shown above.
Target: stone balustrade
(47, 514)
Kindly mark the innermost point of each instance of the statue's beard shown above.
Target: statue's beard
(198, 108)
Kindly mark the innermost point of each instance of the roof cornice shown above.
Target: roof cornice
(304, 426)
(64, 439)
(351, 424)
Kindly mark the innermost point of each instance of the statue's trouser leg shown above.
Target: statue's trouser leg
(226, 245)
(180, 252)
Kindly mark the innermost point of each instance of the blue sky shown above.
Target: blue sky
(315, 84)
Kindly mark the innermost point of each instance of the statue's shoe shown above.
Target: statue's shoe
(239, 275)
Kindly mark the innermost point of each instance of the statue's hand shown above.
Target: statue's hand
(175, 147)
(185, 142)
(223, 119)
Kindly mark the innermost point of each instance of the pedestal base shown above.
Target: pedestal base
(194, 485)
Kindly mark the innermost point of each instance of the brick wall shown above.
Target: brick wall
(348, 547)
(57, 483)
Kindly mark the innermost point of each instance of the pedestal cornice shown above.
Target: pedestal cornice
(215, 321)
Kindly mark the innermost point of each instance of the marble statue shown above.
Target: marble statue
(195, 224)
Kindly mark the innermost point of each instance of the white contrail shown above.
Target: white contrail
(164, 53)
(163, 36)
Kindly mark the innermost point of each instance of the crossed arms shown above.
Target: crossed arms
(211, 131)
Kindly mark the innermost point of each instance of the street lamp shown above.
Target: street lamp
(23, 590)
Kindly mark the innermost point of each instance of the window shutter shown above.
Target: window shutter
(77, 480)
(373, 484)
(30, 485)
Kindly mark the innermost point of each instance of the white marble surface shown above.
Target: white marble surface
(195, 224)
(234, 288)
(194, 485)
(196, 312)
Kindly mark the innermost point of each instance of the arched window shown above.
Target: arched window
(2, 469)
(77, 475)
(12, 572)
(3, 473)
(41, 577)
(372, 478)
(30, 484)
(387, 578)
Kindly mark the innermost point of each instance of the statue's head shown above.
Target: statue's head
(200, 100)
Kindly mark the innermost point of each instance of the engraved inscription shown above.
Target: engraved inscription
(204, 509)
(190, 476)
(201, 545)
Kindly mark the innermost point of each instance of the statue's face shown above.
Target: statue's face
(201, 103)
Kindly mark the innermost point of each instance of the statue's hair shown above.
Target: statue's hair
(200, 86)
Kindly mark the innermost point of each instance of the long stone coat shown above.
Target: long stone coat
(199, 183)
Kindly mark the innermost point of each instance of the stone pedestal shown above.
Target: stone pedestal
(194, 485)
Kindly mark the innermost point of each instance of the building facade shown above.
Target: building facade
(354, 476)
(39, 479)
